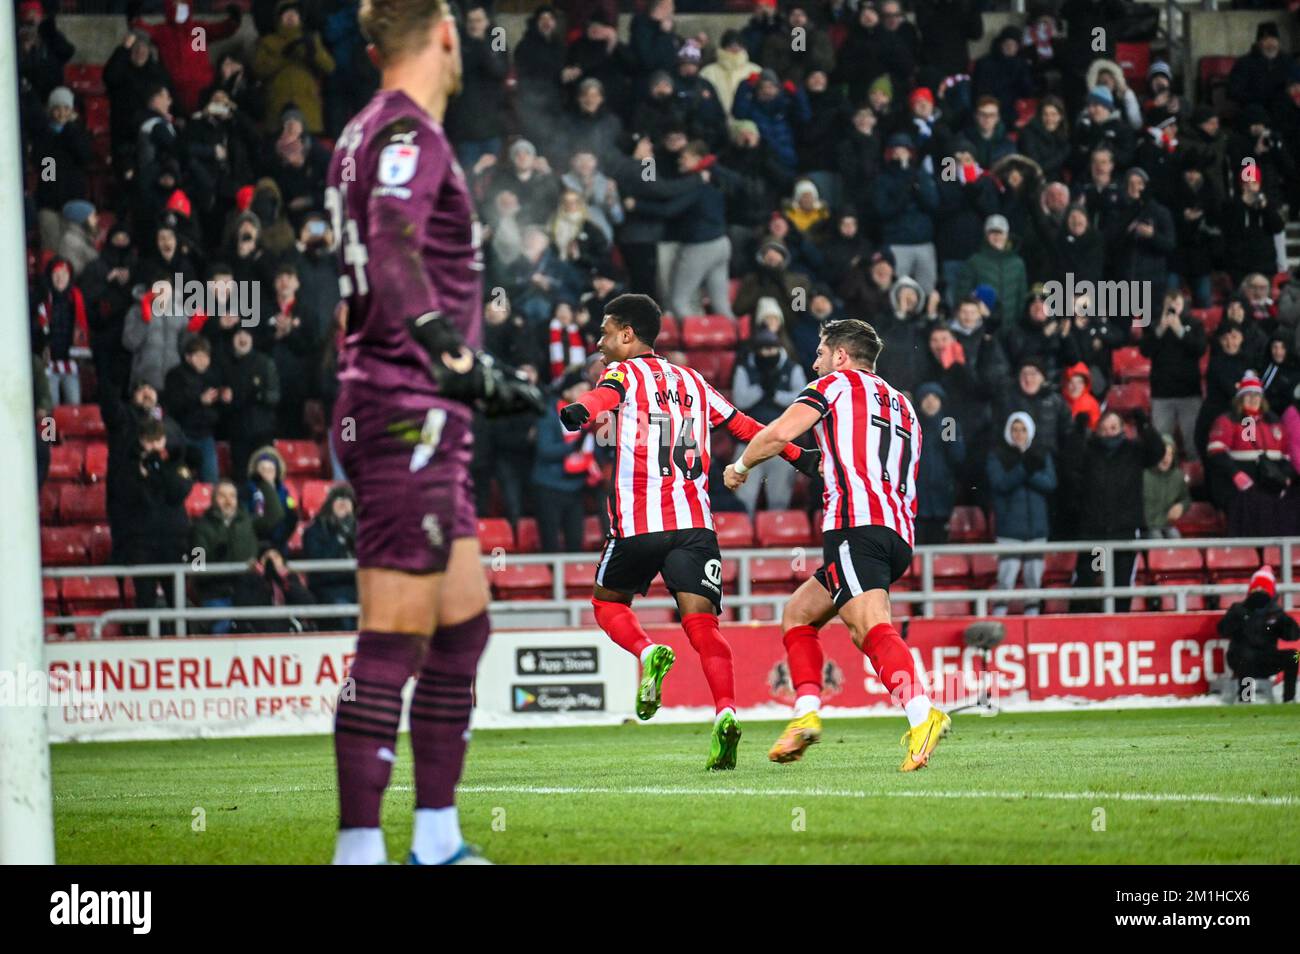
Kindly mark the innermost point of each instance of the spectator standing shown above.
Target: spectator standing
(222, 534)
(1250, 468)
(731, 68)
(904, 199)
(1022, 479)
(1174, 343)
(778, 109)
(940, 466)
(195, 396)
(1046, 138)
(476, 118)
(187, 63)
(255, 399)
(1141, 237)
(767, 381)
(539, 63)
(1076, 389)
(1250, 223)
(1031, 395)
(61, 318)
(333, 536)
(61, 153)
(563, 468)
(153, 329)
(292, 62)
(1004, 74)
(1260, 77)
(272, 507)
(999, 267)
(131, 72)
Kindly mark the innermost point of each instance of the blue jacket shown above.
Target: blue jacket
(548, 459)
(776, 119)
(698, 216)
(1020, 495)
(904, 202)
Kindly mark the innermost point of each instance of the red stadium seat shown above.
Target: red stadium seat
(579, 578)
(1174, 565)
(49, 500)
(782, 528)
(647, 615)
(968, 525)
(100, 543)
(96, 114)
(771, 574)
(1058, 568)
(593, 533)
(716, 366)
(733, 529)
(90, 594)
(1210, 317)
(528, 581)
(1201, 520)
(494, 532)
(63, 546)
(1127, 398)
(1231, 564)
(314, 492)
(1280, 279)
(79, 420)
(85, 78)
(1130, 364)
(199, 500)
(527, 539)
(65, 461)
(83, 503)
(95, 464)
(1193, 473)
(50, 596)
(301, 458)
(1026, 109)
(702, 332)
(952, 570)
(949, 608)
(1134, 59)
(983, 570)
(670, 335)
(1212, 71)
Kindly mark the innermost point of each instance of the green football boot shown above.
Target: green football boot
(723, 745)
(650, 693)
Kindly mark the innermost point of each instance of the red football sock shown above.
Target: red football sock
(893, 663)
(621, 625)
(715, 657)
(804, 650)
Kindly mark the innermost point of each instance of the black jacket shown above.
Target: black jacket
(948, 26)
(1109, 482)
(1175, 360)
(182, 396)
(478, 112)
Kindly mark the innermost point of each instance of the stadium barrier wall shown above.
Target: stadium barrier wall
(285, 685)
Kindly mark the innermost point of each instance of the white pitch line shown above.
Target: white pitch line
(1281, 801)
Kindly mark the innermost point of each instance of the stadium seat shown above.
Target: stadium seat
(49, 501)
(949, 608)
(703, 332)
(1058, 568)
(730, 573)
(1210, 317)
(83, 503)
(983, 570)
(84, 78)
(1128, 398)
(99, 541)
(716, 366)
(579, 578)
(95, 463)
(1193, 473)
(96, 114)
(1026, 109)
(1280, 279)
(522, 581)
(90, 594)
(952, 571)
(593, 533)
(1201, 520)
(50, 596)
(670, 335)
(65, 462)
(494, 532)
(63, 546)
(782, 528)
(313, 493)
(771, 574)
(199, 500)
(1130, 364)
(527, 539)
(1175, 565)
(78, 420)
(733, 529)
(301, 458)
(647, 615)
(1231, 564)
(1212, 71)
(968, 525)
(1134, 59)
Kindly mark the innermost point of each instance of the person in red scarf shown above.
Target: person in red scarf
(564, 468)
(1251, 476)
(567, 342)
(61, 317)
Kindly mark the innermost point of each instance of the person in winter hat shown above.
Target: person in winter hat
(1022, 479)
(1253, 628)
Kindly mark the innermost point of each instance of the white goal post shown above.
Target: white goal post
(26, 821)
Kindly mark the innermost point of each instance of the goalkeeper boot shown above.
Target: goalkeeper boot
(723, 745)
(650, 693)
(798, 735)
(921, 740)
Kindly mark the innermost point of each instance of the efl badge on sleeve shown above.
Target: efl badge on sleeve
(397, 164)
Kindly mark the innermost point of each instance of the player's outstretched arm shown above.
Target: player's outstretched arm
(605, 396)
(772, 440)
(744, 428)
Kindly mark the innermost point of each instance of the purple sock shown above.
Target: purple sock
(440, 708)
(365, 727)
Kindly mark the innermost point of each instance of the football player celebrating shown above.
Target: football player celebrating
(659, 515)
(409, 373)
(871, 444)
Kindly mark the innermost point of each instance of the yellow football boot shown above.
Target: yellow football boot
(920, 741)
(798, 735)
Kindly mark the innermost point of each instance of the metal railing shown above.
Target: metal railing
(568, 611)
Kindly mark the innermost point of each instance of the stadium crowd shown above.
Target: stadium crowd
(828, 159)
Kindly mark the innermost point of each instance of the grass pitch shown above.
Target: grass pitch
(1177, 785)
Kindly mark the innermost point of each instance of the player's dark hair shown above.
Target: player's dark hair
(638, 312)
(859, 340)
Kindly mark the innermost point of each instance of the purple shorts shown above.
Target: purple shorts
(408, 462)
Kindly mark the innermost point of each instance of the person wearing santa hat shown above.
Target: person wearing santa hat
(1253, 628)
(1249, 466)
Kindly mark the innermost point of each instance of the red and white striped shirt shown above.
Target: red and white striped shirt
(870, 441)
(662, 422)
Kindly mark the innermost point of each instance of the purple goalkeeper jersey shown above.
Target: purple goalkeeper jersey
(408, 244)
